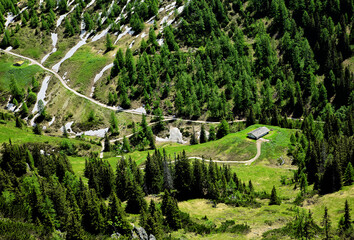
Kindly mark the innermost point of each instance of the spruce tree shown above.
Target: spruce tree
(345, 225)
(212, 134)
(349, 175)
(107, 145)
(122, 179)
(19, 123)
(331, 180)
(171, 211)
(153, 177)
(73, 228)
(223, 129)
(203, 137)
(136, 202)
(109, 45)
(326, 223)
(114, 125)
(24, 109)
(154, 221)
(126, 145)
(6, 41)
(303, 183)
(194, 139)
(116, 216)
(183, 177)
(37, 129)
(274, 200)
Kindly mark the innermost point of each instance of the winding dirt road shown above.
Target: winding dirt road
(247, 162)
(166, 118)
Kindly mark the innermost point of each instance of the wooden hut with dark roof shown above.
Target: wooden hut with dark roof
(258, 133)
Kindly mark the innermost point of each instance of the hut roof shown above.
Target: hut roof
(259, 132)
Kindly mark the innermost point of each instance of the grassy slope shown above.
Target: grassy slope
(83, 66)
(266, 217)
(334, 202)
(31, 44)
(26, 135)
(63, 46)
(63, 103)
(235, 146)
(23, 74)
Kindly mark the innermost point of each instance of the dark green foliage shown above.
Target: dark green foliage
(31, 98)
(127, 174)
(136, 202)
(16, 92)
(203, 137)
(183, 177)
(116, 216)
(65, 132)
(152, 220)
(19, 122)
(274, 199)
(67, 147)
(326, 223)
(345, 224)
(143, 136)
(223, 129)
(137, 23)
(18, 230)
(109, 45)
(332, 179)
(301, 227)
(126, 145)
(153, 177)
(170, 210)
(100, 176)
(194, 139)
(349, 175)
(107, 144)
(6, 41)
(37, 129)
(212, 134)
(92, 218)
(24, 109)
(14, 159)
(323, 159)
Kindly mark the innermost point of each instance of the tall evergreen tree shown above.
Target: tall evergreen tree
(349, 175)
(345, 224)
(154, 221)
(116, 216)
(203, 137)
(194, 139)
(109, 45)
(331, 180)
(171, 211)
(223, 129)
(274, 199)
(212, 134)
(326, 223)
(136, 202)
(126, 145)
